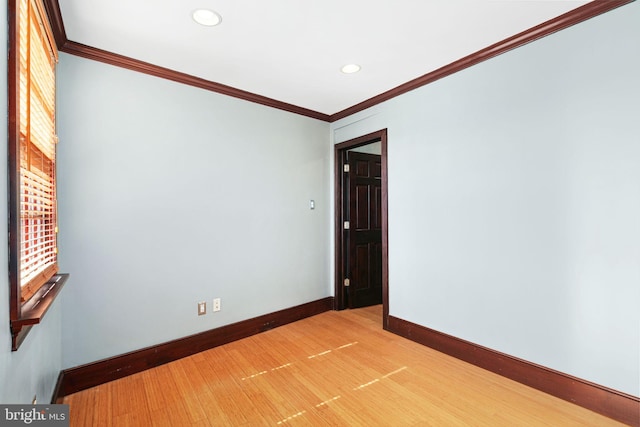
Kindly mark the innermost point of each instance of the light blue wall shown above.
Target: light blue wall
(34, 368)
(514, 201)
(170, 195)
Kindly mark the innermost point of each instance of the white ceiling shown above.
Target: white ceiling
(292, 50)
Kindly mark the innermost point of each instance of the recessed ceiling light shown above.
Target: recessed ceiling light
(350, 68)
(206, 17)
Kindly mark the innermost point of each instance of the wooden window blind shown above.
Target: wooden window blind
(37, 149)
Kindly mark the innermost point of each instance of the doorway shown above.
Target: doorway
(361, 208)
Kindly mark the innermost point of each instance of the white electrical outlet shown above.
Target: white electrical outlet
(216, 304)
(202, 308)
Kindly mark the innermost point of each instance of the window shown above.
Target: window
(33, 266)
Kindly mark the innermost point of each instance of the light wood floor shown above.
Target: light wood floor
(334, 369)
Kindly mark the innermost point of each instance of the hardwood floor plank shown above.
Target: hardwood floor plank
(333, 369)
(103, 398)
(128, 403)
(77, 403)
(191, 387)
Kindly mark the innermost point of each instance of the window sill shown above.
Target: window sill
(34, 310)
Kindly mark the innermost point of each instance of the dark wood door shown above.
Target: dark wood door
(364, 249)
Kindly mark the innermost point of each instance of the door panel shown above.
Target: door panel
(361, 214)
(377, 211)
(364, 254)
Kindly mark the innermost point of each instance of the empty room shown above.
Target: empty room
(321, 213)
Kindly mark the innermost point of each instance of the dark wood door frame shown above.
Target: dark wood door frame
(339, 151)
